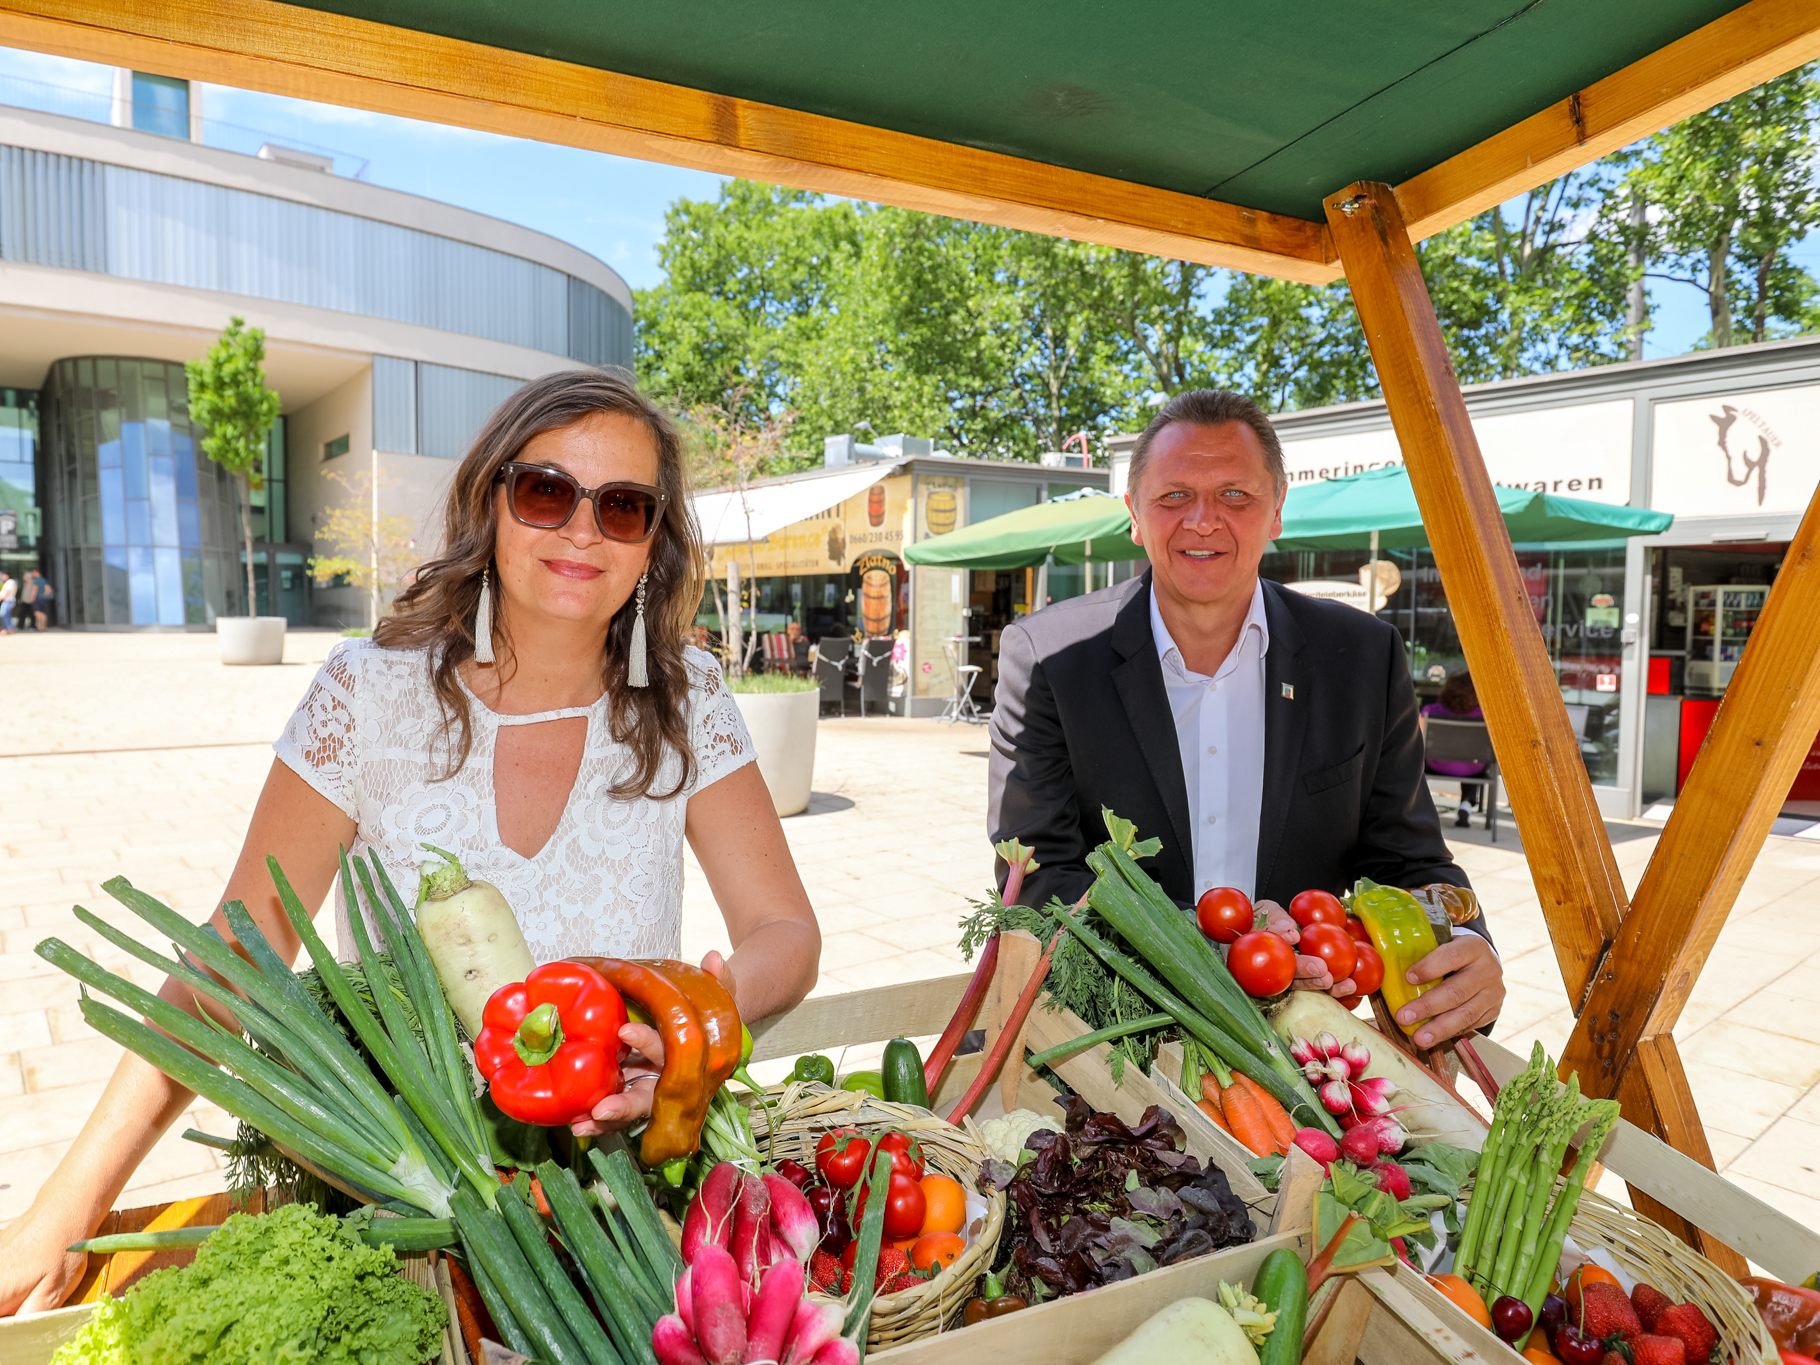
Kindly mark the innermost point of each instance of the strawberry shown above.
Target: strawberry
(1649, 1303)
(825, 1272)
(1649, 1349)
(892, 1265)
(1605, 1312)
(1615, 1358)
(1688, 1325)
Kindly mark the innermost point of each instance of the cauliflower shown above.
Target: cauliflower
(1005, 1137)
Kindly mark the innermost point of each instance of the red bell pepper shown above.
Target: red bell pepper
(549, 1045)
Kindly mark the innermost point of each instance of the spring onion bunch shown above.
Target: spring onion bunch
(1517, 1217)
(403, 1131)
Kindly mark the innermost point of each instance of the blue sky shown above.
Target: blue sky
(609, 206)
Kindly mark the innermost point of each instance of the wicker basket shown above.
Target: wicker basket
(1646, 1251)
(803, 1112)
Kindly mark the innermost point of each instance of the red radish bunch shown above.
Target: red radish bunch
(745, 1241)
(1337, 1071)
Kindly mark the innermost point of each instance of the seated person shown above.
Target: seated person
(1458, 701)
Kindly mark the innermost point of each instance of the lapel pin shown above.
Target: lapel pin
(1288, 692)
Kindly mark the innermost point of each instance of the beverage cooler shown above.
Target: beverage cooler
(1719, 622)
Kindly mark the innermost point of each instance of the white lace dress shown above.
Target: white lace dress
(609, 880)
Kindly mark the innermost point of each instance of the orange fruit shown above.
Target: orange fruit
(1464, 1296)
(1540, 1356)
(1594, 1274)
(934, 1250)
(944, 1204)
(903, 1244)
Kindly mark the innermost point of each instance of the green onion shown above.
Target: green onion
(572, 1310)
(611, 1281)
(1108, 1034)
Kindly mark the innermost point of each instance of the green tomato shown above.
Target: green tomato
(866, 1083)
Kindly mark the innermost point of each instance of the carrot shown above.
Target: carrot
(1210, 1094)
(1282, 1131)
(1212, 1111)
(1245, 1120)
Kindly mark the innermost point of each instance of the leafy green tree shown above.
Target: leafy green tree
(229, 400)
(1731, 192)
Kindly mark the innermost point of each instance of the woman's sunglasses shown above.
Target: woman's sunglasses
(546, 498)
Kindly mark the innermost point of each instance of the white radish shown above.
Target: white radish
(472, 937)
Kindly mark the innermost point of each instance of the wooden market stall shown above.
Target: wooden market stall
(1295, 141)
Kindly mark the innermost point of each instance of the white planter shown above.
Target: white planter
(251, 639)
(782, 725)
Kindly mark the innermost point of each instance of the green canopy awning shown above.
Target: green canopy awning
(1088, 527)
(1339, 514)
(1091, 527)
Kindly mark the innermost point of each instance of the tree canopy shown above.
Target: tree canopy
(860, 318)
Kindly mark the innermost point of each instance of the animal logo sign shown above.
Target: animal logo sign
(1744, 439)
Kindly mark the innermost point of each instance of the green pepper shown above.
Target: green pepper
(865, 1083)
(813, 1067)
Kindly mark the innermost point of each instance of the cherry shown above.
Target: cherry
(1511, 1318)
(1576, 1348)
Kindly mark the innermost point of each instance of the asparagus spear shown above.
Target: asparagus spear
(1519, 1241)
(1494, 1158)
(1511, 1196)
(1546, 1254)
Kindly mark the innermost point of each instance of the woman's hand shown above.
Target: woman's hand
(37, 1271)
(633, 1104)
(1311, 972)
(1470, 994)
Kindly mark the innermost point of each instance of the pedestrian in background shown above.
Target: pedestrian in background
(1459, 701)
(9, 594)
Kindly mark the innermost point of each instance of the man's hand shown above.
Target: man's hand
(1469, 996)
(1311, 972)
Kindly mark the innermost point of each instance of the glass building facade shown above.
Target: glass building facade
(18, 481)
(139, 527)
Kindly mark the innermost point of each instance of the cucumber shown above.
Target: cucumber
(902, 1069)
(1282, 1284)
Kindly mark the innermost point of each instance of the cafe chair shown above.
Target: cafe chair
(1464, 741)
(875, 675)
(961, 705)
(831, 659)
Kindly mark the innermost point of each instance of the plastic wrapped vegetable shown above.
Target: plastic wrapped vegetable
(549, 1045)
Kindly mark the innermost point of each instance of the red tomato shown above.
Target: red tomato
(1356, 927)
(1368, 971)
(905, 1206)
(1334, 946)
(1262, 964)
(1224, 913)
(1351, 1002)
(906, 1155)
(1316, 907)
(841, 1157)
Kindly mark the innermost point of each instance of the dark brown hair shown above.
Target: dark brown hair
(1210, 408)
(1458, 694)
(436, 612)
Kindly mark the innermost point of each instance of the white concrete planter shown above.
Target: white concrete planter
(251, 639)
(783, 731)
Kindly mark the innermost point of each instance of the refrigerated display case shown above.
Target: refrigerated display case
(1719, 622)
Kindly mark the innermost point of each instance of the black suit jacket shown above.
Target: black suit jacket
(1082, 721)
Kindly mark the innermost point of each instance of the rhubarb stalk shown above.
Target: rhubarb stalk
(1020, 862)
(1014, 1023)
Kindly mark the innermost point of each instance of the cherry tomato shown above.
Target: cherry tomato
(906, 1154)
(904, 1207)
(1356, 927)
(1367, 969)
(1316, 907)
(1262, 964)
(1332, 945)
(1224, 913)
(1351, 1002)
(841, 1157)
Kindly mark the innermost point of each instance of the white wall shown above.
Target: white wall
(346, 411)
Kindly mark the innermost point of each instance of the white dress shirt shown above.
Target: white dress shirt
(1219, 726)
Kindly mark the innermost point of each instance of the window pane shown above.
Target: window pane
(161, 104)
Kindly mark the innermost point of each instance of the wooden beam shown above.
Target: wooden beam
(1655, 1097)
(1762, 732)
(1570, 857)
(1744, 48)
(311, 54)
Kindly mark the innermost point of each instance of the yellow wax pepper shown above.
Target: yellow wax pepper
(1403, 934)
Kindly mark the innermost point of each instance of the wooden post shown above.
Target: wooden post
(1570, 857)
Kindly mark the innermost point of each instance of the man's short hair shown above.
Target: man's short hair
(1209, 408)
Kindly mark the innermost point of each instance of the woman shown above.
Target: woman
(1458, 701)
(530, 704)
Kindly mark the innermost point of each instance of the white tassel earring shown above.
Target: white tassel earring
(483, 621)
(638, 671)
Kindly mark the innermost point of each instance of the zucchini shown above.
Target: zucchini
(1282, 1284)
(902, 1070)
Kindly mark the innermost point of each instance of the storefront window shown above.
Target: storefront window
(1578, 600)
(18, 481)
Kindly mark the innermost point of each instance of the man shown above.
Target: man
(1268, 738)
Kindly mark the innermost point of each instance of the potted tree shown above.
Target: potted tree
(230, 402)
(780, 711)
